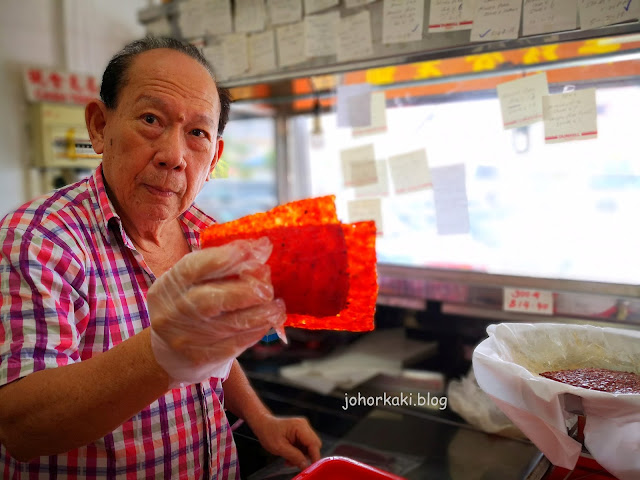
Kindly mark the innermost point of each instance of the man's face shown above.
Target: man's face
(160, 142)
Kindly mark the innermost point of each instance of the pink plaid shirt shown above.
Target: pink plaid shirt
(73, 286)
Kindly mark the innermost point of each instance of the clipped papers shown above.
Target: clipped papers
(354, 36)
(402, 21)
(200, 17)
(598, 13)
(570, 116)
(543, 16)
(448, 15)
(496, 20)
(521, 100)
(378, 189)
(320, 34)
(313, 6)
(284, 11)
(291, 44)
(366, 209)
(450, 198)
(359, 166)
(410, 171)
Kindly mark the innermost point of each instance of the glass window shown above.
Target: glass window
(245, 179)
(567, 211)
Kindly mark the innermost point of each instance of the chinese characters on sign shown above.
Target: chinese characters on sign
(528, 301)
(43, 85)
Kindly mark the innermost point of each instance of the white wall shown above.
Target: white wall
(74, 35)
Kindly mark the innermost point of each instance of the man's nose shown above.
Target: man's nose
(171, 150)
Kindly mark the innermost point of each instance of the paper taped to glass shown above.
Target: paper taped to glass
(507, 365)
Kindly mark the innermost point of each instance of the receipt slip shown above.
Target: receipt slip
(544, 16)
(359, 166)
(598, 13)
(410, 171)
(521, 100)
(570, 116)
(496, 20)
(450, 15)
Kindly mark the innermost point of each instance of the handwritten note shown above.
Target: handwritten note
(229, 57)
(200, 17)
(313, 6)
(250, 15)
(353, 105)
(521, 100)
(570, 116)
(496, 20)
(359, 166)
(357, 3)
(291, 44)
(378, 122)
(364, 210)
(320, 34)
(262, 53)
(445, 15)
(527, 300)
(542, 16)
(450, 199)
(354, 37)
(402, 21)
(410, 171)
(378, 189)
(284, 11)
(598, 13)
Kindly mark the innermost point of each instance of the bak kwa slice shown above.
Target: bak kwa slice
(325, 271)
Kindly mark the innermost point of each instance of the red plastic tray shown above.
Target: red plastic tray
(343, 468)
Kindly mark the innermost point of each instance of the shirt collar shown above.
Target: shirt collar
(193, 220)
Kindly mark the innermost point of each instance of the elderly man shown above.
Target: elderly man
(86, 389)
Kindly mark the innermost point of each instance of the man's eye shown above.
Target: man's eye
(198, 133)
(150, 119)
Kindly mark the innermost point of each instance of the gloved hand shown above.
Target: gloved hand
(211, 306)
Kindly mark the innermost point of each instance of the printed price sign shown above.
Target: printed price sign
(44, 85)
(528, 301)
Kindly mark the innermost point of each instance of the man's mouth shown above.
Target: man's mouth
(160, 191)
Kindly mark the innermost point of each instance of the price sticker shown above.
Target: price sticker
(528, 301)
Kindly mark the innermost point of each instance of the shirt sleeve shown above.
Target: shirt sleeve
(41, 308)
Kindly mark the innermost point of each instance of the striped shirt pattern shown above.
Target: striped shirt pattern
(72, 285)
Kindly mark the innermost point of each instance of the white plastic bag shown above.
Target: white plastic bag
(507, 365)
(468, 400)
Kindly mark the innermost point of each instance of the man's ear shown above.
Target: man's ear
(95, 116)
(218, 154)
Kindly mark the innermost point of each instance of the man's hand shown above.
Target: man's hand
(210, 307)
(289, 437)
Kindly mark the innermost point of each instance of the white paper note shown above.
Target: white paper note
(320, 34)
(250, 15)
(450, 198)
(357, 3)
(201, 17)
(381, 187)
(284, 11)
(354, 37)
(543, 16)
(291, 44)
(402, 21)
(410, 171)
(527, 300)
(598, 13)
(359, 166)
(353, 105)
(446, 15)
(313, 6)
(570, 116)
(262, 53)
(496, 20)
(364, 210)
(378, 116)
(235, 56)
(521, 100)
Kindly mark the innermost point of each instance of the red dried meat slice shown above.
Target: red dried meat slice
(601, 379)
(324, 270)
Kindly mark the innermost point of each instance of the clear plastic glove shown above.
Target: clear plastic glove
(211, 306)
